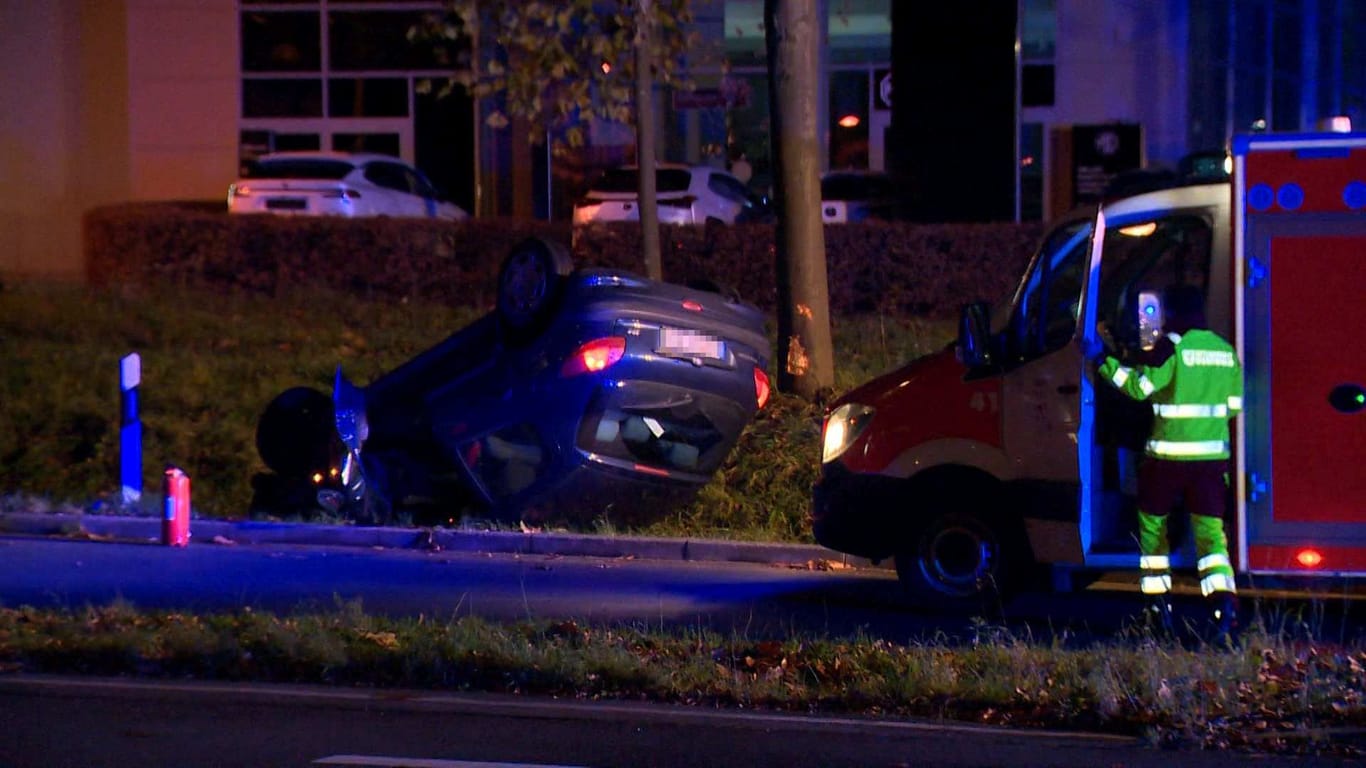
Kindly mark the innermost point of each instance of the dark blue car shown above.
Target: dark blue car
(586, 394)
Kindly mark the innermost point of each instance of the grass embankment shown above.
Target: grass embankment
(211, 363)
(1272, 696)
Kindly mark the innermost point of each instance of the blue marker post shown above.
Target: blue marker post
(130, 430)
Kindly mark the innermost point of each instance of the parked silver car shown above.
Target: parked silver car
(687, 194)
(337, 184)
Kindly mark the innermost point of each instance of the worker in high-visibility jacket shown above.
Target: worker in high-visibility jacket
(1194, 381)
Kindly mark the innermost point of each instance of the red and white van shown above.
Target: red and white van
(1000, 451)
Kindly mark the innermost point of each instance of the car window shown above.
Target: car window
(1045, 312)
(643, 424)
(508, 460)
(421, 186)
(389, 176)
(628, 180)
(297, 168)
(729, 188)
(1149, 256)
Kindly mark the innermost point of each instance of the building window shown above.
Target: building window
(1038, 47)
(1036, 85)
(269, 97)
(378, 40)
(281, 41)
(367, 97)
(849, 120)
(1038, 30)
(1031, 172)
(379, 143)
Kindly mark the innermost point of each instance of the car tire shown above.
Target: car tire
(295, 432)
(530, 282)
(962, 560)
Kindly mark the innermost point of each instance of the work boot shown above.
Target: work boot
(1224, 612)
(1157, 617)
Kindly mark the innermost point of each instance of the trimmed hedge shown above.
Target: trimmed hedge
(896, 268)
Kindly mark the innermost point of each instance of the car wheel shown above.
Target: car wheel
(962, 561)
(529, 285)
(294, 434)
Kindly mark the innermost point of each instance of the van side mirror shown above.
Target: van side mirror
(974, 335)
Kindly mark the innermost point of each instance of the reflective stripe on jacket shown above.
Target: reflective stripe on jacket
(1195, 386)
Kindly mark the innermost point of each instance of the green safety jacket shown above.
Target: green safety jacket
(1195, 385)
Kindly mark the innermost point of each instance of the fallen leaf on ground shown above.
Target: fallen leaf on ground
(818, 565)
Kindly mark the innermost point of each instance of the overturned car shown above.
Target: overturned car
(585, 394)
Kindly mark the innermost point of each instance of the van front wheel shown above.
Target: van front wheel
(959, 562)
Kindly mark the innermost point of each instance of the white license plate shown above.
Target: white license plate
(681, 343)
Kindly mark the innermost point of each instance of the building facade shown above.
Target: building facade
(127, 100)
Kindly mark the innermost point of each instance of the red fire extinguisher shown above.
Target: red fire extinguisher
(175, 523)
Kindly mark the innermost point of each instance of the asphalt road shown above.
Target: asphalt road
(63, 722)
(756, 599)
(781, 596)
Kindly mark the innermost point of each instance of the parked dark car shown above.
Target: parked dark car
(849, 196)
(585, 394)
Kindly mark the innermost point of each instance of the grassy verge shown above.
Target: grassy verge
(1273, 696)
(211, 363)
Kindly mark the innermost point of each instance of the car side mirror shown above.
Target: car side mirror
(974, 335)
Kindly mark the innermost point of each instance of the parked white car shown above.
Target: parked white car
(337, 184)
(687, 194)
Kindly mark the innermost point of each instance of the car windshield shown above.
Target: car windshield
(628, 180)
(855, 187)
(297, 168)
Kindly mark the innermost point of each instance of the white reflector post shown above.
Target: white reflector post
(130, 429)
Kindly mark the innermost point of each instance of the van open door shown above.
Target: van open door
(1089, 456)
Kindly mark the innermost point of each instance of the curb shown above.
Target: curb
(229, 532)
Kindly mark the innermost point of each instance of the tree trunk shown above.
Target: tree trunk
(806, 365)
(645, 143)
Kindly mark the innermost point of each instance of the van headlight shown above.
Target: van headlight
(842, 427)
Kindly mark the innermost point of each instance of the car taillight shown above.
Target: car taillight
(685, 201)
(238, 190)
(761, 388)
(594, 356)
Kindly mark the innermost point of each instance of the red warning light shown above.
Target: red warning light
(1309, 558)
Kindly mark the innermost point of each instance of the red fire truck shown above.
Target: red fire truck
(1001, 451)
